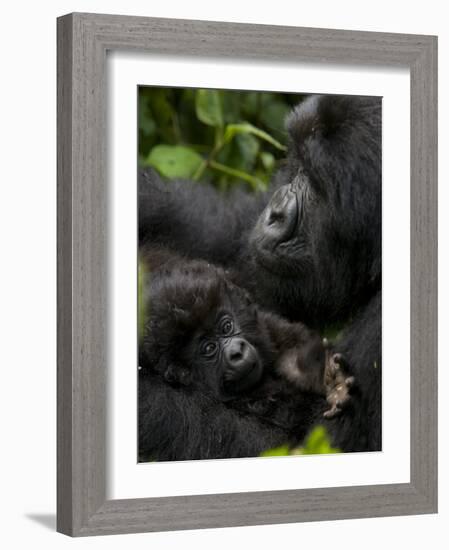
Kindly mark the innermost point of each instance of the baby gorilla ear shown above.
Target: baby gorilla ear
(177, 376)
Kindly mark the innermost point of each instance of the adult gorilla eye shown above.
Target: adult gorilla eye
(227, 326)
(208, 349)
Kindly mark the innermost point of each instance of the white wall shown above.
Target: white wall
(27, 287)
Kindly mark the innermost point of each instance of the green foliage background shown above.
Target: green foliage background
(223, 137)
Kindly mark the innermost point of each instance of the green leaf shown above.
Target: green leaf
(208, 107)
(255, 183)
(240, 153)
(231, 102)
(174, 161)
(146, 123)
(273, 115)
(162, 112)
(191, 128)
(267, 160)
(248, 146)
(277, 451)
(250, 103)
(247, 128)
(317, 442)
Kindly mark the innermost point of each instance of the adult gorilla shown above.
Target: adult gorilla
(309, 249)
(314, 253)
(316, 248)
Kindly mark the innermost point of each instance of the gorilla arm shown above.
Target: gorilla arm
(182, 425)
(194, 219)
(359, 428)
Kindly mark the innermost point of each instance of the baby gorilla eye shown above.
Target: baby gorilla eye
(208, 349)
(226, 326)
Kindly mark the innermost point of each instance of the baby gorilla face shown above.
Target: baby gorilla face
(203, 331)
(225, 357)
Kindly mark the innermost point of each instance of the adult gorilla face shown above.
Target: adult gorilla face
(319, 238)
(280, 236)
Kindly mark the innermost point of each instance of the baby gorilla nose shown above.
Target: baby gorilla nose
(243, 367)
(237, 352)
(279, 219)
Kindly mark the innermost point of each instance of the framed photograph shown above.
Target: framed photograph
(247, 274)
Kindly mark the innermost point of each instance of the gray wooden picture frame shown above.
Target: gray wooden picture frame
(83, 40)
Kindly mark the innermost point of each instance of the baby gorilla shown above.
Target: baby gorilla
(205, 332)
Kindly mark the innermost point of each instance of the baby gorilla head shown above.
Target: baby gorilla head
(202, 330)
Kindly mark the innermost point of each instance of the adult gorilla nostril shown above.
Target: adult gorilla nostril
(278, 222)
(275, 216)
(281, 217)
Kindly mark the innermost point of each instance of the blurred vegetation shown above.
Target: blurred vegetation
(316, 443)
(223, 137)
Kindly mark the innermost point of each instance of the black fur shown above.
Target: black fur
(184, 410)
(182, 424)
(310, 248)
(194, 218)
(328, 268)
(331, 265)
